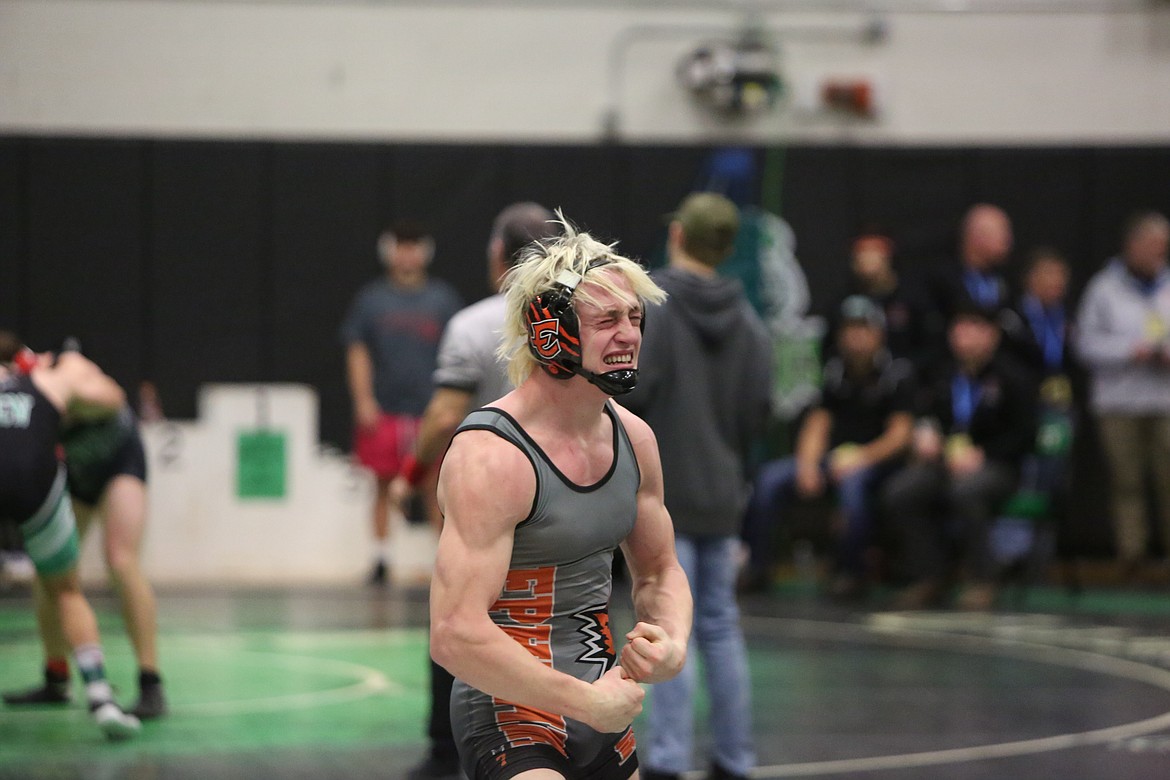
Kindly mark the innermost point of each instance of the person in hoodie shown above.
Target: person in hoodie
(1124, 340)
(704, 389)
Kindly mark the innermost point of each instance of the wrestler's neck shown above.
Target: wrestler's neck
(573, 406)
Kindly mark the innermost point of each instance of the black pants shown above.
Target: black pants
(935, 516)
(439, 726)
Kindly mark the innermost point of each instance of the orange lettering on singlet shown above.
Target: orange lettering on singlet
(524, 607)
(526, 726)
(527, 596)
(522, 611)
(624, 747)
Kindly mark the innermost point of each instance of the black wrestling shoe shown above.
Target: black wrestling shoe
(151, 703)
(53, 691)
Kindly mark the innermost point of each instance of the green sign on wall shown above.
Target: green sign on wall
(260, 464)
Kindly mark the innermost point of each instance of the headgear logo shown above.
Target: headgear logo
(546, 338)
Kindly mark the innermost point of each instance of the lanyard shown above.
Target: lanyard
(1048, 328)
(965, 393)
(983, 288)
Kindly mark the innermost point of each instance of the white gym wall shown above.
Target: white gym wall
(948, 71)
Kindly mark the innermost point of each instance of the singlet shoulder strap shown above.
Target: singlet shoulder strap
(499, 422)
(625, 447)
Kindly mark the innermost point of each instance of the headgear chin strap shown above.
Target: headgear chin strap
(554, 336)
(613, 382)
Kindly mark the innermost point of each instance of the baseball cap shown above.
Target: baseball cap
(859, 308)
(710, 222)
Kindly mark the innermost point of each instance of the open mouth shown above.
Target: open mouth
(624, 360)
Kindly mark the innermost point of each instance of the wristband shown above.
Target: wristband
(25, 361)
(413, 470)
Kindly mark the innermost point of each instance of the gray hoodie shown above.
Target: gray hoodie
(704, 382)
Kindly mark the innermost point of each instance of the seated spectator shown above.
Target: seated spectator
(978, 424)
(850, 440)
(872, 274)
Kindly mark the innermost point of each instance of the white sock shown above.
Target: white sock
(91, 664)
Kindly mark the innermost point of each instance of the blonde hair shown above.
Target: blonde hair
(536, 272)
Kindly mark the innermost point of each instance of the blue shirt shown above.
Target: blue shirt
(401, 329)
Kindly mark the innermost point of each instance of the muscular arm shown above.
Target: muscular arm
(486, 488)
(661, 593)
(87, 392)
(446, 409)
(359, 371)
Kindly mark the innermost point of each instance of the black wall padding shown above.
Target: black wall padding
(188, 262)
(13, 267)
(84, 241)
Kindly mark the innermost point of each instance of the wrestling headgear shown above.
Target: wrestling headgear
(554, 335)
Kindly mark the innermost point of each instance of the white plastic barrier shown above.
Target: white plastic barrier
(316, 529)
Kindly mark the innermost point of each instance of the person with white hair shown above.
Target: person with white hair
(538, 490)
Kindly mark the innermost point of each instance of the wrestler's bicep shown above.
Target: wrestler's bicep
(485, 489)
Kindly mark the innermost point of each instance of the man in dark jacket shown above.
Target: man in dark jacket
(851, 439)
(704, 385)
(978, 424)
(976, 278)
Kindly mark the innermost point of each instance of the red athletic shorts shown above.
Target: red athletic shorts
(383, 448)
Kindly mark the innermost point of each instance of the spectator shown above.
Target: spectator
(872, 274)
(979, 424)
(1038, 334)
(850, 441)
(391, 334)
(1124, 341)
(704, 387)
(985, 244)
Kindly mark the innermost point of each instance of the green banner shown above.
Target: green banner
(260, 464)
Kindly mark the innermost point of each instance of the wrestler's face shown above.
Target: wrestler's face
(611, 333)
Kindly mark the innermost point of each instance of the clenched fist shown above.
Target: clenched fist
(616, 701)
(651, 655)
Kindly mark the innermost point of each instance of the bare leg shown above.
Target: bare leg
(123, 510)
(75, 616)
(383, 508)
(49, 624)
(79, 625)
(381, 516)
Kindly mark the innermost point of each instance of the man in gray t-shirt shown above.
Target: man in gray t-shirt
(391, 336)
(469, 375)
